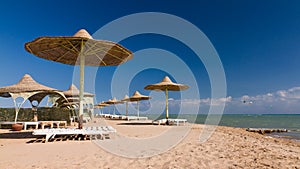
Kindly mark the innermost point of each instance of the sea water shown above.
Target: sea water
(291, 122)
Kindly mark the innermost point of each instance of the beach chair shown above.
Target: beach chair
(142, 118)
(115, 117)
(136, 118)
(32, 123)
(107, 115)
(25, 124)
(131, 118)
(101, 131)
(123, 117)
(176, 122)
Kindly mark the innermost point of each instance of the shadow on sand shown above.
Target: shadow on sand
(137, 123)
(17, 135)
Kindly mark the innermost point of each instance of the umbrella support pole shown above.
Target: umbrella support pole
(167, 107)
(126, 108)
(81, 89)
(138, 109)
(114, 109)
(167, 104)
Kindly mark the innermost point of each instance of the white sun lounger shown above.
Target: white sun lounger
(106, 115)
(115, 116)
(25, 123)
(136, 118)
(173, 121)
(51, 133)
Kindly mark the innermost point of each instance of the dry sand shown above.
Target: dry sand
(226, 148)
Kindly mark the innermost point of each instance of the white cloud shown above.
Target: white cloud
(282, 101)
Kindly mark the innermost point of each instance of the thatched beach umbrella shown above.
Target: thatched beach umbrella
(113, 101)
(80, 49)
(27, 88)
(72, 95)
(74, 92)
(166, 85)
(100, 106)
(136, 97)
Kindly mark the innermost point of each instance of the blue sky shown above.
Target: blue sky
(257, 42)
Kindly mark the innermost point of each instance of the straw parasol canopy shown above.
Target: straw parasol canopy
(166, 85)
(125, 99)
(74, 92)
(136, 97)
(71, 95)
(26, 84)
(79, 49)
(113, 101)
(27, 88)
(100, 106)
(67, 49)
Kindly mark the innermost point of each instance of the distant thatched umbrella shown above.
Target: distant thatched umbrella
(100, 106)
(113, 101)
(71, 95)
(136, 97)
(74, 92)
(165, 85)
(27, 88)
(80, 49)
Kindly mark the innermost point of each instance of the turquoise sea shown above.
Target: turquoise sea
(287, 121)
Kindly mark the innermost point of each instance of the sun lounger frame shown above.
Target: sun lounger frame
(177, 122)
(37, 123)
(101, 131)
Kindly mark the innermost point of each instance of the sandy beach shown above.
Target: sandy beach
(226, 148)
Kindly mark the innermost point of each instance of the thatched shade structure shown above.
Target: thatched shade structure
(165, 85)
(26, 84)
(74, 92)
(72, 96)
(136, 97)
(27, 88)
(100, 106)
(67, 49)
(113, 101)
(80, 49)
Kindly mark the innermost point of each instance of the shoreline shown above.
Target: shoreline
(228, 147)
(278, 135)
